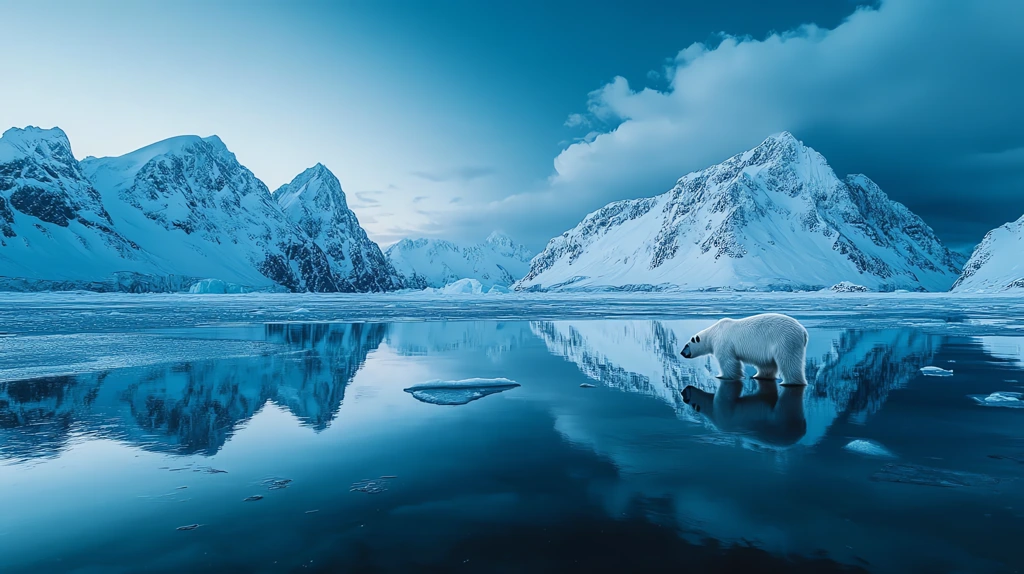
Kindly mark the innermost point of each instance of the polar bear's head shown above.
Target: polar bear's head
(698, 346)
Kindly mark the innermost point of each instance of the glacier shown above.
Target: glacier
(775, 217)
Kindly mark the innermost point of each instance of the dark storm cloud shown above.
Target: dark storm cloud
(923, 97)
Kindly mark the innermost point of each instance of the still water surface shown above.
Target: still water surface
(344, 470)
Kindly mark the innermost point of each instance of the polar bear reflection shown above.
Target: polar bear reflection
(772, 416)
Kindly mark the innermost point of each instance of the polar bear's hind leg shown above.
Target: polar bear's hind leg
(792, 369)
(767, 372)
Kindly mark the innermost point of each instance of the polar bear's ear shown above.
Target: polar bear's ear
(697, 338)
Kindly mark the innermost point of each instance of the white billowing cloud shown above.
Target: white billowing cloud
(905, 93)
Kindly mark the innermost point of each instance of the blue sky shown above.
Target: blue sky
(455, 118)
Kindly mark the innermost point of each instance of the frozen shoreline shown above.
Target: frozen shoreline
(86, 312)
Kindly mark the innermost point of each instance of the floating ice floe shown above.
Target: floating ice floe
(586, 386)
(869, 448)
(936, 372)
(459, 392)
(1000, 399)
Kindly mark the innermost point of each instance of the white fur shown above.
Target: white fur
(775, 344)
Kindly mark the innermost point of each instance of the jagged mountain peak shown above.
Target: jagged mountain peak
(316, 184)
(315, 202)
(31, 135)
(43, 144)
(773, 217)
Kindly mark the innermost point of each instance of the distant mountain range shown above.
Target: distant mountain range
(772, 218)
(436, 262)
(172, 214)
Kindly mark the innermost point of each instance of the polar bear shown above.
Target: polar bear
(772, 417)
(774, 343)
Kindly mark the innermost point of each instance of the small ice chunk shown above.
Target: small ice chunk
(869, 448)
(370, 486)
(1000, 399)
(459, 392)
(936, 372)
(586, 386)
(276, 483)
(849, 287)
(925, 476)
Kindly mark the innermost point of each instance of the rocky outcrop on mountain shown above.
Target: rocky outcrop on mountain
(772, 218)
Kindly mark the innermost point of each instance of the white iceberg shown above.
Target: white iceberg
(1000, 399)
(459, 392)
(936, 372)
(869, 448)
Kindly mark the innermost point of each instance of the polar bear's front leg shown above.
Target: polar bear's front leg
(731, 368)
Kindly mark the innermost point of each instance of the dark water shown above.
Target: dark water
(98, 471)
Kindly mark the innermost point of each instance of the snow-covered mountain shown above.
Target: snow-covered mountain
(168, 215)
(54, 228)
(315, 202)
(997, 263)
(436, 262)
(772, 218)
(189, 203)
